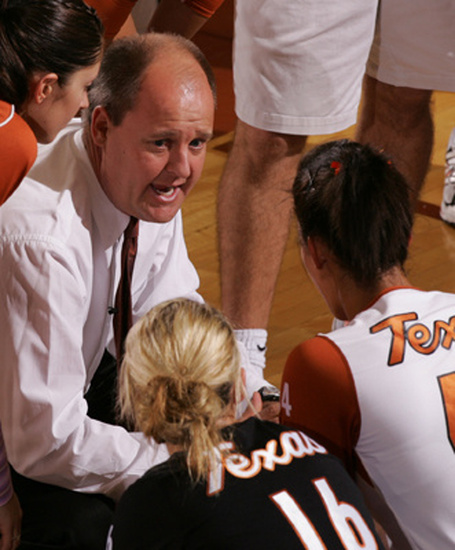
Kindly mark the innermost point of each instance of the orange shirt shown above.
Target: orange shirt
(18, 150)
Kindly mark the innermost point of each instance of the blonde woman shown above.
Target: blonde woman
(249, 485)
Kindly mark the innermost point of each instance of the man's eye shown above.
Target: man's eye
(197, 143)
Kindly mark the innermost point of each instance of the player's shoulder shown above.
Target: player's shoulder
(254, 433)
(319, 354)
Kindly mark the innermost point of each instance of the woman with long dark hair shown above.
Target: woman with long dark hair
(379, 391)
(50, 52)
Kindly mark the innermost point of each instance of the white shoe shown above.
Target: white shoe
(447, 211)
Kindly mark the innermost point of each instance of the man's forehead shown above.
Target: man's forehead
(179, 97)
(175, 69)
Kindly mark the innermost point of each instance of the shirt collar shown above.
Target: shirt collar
(110, 222)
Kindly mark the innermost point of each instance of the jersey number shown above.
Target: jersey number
(350, 526)
(447, 386)
(285, 403)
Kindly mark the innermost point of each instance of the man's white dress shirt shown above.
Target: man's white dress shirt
(60, 242)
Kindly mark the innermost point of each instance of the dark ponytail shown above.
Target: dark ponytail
(354, 199)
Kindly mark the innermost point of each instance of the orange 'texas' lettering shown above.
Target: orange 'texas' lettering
(418, 335)
(396, 325)
(450, 332)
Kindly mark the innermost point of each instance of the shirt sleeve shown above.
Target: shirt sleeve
(49, 437)
(206, 8)
(318, 396)
(6, 489)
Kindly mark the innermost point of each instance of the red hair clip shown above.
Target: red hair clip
(336, 167)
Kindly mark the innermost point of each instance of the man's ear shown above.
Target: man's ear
(43, 86)
(100, 125)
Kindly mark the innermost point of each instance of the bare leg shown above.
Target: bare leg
(399, 121)
(254, 206)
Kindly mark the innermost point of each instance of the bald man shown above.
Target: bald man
(137, 156)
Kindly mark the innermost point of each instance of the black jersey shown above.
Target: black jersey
(279, 490)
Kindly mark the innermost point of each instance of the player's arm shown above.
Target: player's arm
(184, 17)
(180, 17)
(113, 14)
(318, 396)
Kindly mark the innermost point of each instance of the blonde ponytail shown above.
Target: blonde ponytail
(179, 376)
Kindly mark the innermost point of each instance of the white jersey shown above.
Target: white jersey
(402, 358)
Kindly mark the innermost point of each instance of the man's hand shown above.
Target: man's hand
(10, 524)
(270, 411)
(265, 410)
(253, 409)
(270, 396)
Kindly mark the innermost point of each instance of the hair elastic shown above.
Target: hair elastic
(336, 166)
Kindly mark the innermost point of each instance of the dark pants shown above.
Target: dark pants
(57, 518)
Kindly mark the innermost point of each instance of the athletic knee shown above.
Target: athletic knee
(264, 147)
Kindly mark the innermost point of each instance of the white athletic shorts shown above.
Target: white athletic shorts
(299, 64)
(414, 44)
